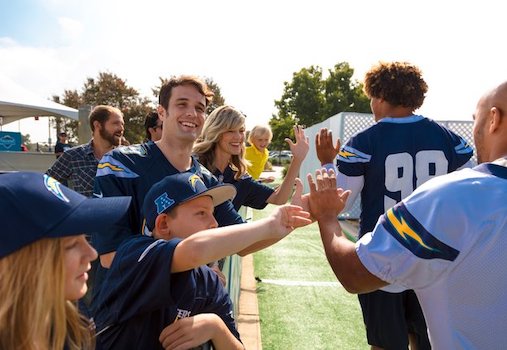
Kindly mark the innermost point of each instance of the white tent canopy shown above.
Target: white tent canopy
(17, 102)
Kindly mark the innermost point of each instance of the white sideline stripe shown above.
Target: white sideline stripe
(302, 283)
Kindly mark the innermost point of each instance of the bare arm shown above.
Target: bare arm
(257, 246)
(210, 245)
(326, 201)
(299, 151)
(190, 332)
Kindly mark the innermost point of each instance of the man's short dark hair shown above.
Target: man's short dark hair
(199, 84)
(101, 114)
(150, 121)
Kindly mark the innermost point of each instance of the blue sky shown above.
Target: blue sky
(251, 47)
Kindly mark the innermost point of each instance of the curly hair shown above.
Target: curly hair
(221, 120)
(399, 83)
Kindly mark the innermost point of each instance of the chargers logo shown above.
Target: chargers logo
(110, 166)
(351, 155)
(404, 230)
(412, 235)
(53, 186)
(346, 154)
(194, 180)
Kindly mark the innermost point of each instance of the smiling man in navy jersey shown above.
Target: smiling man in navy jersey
(133, 170)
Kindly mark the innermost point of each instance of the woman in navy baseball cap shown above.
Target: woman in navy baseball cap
(44, 259)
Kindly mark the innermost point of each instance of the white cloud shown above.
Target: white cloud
(7, 42)
(71, 28)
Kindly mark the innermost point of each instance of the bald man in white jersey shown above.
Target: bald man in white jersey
(446, 241)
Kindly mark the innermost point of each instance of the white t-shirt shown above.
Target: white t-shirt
(448, 242)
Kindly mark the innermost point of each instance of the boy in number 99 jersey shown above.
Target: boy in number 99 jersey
(394, 157)
(385, 163)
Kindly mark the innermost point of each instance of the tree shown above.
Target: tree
(341, 94)
(309, 99)
(218, 99)
(71, 99)
(303, 98)
(109, 89)
(281, 126)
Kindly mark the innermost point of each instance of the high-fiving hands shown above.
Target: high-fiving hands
(325, 200)
(286, 218)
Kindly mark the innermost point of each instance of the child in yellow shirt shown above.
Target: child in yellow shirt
(257, 154)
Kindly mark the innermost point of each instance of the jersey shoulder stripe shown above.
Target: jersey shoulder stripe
(351, 155)
(137, 149)
(463, 147)
(412, 235)
(108, 165)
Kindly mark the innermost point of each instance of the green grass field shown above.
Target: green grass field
(304, 317)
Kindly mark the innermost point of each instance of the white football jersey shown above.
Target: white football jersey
(448, 242)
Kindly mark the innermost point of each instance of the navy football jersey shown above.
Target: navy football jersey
(249, 192)
(140, 296)
(131, 171)
(395, 156)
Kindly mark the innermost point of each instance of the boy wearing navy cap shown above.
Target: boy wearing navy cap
(155, 281)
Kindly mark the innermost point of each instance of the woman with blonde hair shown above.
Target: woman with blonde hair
(44, 260)
(221, 149)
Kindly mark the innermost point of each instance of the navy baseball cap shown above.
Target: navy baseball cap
(35, 206)
(180, 188)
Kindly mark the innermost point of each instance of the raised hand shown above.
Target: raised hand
(325, 199)
(326, 152)
(300, 148)
(300, 199)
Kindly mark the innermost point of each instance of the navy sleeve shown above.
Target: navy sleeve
(255, 196)
(139, 280)
(355, 156)
(226, 215)
(220, 303)
(463, 151)
(111, 182)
